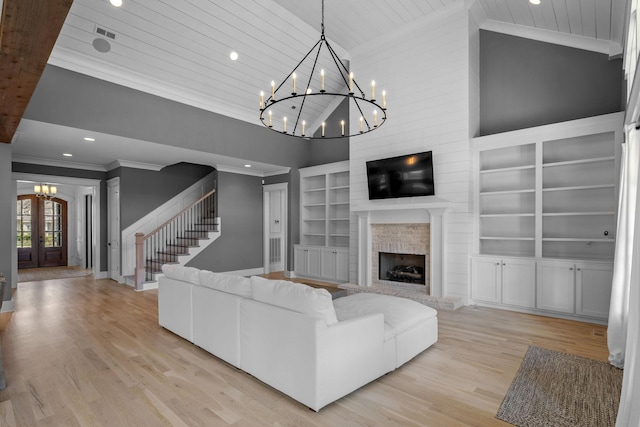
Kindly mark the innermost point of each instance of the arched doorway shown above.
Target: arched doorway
(41, 232)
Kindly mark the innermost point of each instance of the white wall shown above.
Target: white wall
(425, 69)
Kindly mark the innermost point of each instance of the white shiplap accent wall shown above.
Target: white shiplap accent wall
(425, 70)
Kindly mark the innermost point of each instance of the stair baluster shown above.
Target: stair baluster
(173, 238)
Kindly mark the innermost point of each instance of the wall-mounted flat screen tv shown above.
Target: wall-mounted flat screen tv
(403, 176)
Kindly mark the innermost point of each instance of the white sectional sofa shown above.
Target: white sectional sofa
(291, 336)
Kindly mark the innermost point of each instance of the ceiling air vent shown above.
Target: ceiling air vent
(106, 33)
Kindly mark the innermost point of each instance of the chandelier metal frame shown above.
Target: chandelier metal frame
(365, 125)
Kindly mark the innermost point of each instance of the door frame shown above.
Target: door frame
(114, 256)
(62, 180)
(266, 189)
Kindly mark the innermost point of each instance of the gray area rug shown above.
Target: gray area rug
(48, 273)
(559, 389)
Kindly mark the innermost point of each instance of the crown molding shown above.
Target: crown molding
(57, 163)
(578, 42)
(134, 165)
(249, 171)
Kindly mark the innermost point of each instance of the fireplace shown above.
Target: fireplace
(403, 268)
(405, 248)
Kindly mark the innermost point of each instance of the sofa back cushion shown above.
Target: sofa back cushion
(296, 297)
(179, 272)
(228, 283)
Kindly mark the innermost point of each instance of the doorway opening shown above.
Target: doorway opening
(41, 232)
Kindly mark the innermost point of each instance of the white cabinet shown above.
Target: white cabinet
(556, 286)
(335, 264)
(499, 280)
(326, 263)
(307, 260)
(547, 195)
(581, 288)
(593, 289)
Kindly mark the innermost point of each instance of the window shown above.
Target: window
(24, 211)
(52, 224)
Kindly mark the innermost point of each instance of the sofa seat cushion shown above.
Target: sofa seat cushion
(228, 283)
(400, 314)
(296, 297)
(184, 274)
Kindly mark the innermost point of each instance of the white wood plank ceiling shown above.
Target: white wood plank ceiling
(180, 49)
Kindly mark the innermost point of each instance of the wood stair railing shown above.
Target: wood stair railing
(167, 242)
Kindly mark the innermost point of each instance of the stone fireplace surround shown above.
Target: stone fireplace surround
(432, 213)
(399, 239)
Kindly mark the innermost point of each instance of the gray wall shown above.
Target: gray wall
(240, 209)
(525, 83)
(7, 234)
(78, 173)
(142, 191)
(324, 151)
(76, 100)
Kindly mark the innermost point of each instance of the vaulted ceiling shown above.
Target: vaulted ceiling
(179, 49)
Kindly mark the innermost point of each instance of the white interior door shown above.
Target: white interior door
(114, 229)
(275, 227)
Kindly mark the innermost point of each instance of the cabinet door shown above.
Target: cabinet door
(342, 266)
(328, 261)
(518, 282)
(485, 279)
(300, 260)
(314, 262)
(556, 286)
(593, 289)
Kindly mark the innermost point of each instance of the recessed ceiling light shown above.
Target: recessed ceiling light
(534, 1)
(86, 138)
(233, 56)
(247, 166)
(67, 154)
(116, 3)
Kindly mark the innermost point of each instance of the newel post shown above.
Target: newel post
(139, 272)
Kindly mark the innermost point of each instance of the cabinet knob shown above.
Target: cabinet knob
(497, 263)
(577, 269)
(571, 268)
(504, 263)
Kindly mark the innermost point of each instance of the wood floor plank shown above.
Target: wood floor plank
(90, 352)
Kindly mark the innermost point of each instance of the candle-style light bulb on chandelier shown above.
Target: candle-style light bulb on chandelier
(372, 112)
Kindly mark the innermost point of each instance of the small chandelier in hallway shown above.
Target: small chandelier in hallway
(45, 191)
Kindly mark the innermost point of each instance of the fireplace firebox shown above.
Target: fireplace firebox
(404, 268)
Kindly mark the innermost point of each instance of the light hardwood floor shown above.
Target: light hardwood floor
(90, 352)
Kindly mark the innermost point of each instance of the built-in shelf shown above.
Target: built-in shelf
(579, 187)
(579, 162)
(324, 200)
(577, 213)
(549, 191)
(506, 215)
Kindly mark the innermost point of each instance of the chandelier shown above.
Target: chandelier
(45, 191)
(308, 90)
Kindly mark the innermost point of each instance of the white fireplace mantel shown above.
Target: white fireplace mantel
(432, 212)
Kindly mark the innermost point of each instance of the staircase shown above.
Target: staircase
(177, 241)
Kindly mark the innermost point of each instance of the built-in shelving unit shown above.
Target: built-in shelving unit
(506, 183)
(579, 197)
(546, 211)
(324, 221)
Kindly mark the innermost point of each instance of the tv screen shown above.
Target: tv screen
(402, 176)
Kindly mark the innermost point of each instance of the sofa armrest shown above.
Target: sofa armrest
(350, 355)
